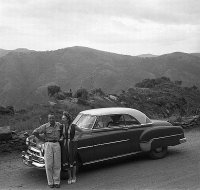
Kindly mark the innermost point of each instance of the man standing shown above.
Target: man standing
(51, 131)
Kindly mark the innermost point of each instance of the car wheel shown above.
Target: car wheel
(158, 153)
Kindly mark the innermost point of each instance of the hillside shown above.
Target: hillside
(4, 52)
(24, 76)
(147, 55)
(157, 98)
(162, 97)
(196, 54)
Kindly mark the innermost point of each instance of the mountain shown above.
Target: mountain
(24, 76)
(196, 54)
(147, 55)
(4, 52)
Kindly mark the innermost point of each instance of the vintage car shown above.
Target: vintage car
(112, 133)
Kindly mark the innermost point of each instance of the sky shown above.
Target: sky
(130, 27)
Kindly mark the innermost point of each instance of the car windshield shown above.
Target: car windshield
(85, 121)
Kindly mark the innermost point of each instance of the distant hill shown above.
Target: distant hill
(24, 76)
(4, 52)
(147, 55)
(196, 54)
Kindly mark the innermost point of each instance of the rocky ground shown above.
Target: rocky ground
(17, 142)
(179, 170)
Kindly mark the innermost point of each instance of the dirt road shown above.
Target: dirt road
(179, 170)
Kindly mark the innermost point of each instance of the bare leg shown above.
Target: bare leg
(70, 176)
(74, 174)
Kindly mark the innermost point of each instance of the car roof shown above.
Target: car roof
(141, 117)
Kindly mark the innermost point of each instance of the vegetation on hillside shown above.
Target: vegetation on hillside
(162, 97)
(157, 98)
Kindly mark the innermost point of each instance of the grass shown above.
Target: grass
(36, 115)
(25, 119)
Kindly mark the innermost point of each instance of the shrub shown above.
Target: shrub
(81, 93)
(151, 83)
(53, 89)
(83, 102)
(97, 91)
(60, 96)
(178, 82)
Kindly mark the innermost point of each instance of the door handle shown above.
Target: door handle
(125, 128)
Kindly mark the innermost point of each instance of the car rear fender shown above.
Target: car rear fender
(161, 136)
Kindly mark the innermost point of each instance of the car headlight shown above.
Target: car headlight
(39, 146)
(27, 141)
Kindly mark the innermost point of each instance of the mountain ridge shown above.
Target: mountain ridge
(24, 76)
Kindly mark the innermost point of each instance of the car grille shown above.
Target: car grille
(33, 153)
(35, 156)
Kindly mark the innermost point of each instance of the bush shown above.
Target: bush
(97, 91)
(60, 96)
(178, 82)
(151, 83)
(53, 89)
(81, 93)
(83, 102)
(8, 110)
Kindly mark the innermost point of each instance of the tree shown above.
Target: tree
(98, 91)
(151, 83)
(53, 89)
(81, 93)
(178, 82)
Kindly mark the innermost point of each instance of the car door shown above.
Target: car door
(108, 137)
(85, 147)
(85, 140)
(133, 131)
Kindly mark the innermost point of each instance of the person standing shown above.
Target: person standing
(52, 134)
(69, 147)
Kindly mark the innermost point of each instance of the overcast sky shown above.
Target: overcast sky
(122, 26)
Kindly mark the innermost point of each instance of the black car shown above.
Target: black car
(112, 133)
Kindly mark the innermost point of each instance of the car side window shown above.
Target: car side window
(130, 120)
(100, 123)
(116, 121)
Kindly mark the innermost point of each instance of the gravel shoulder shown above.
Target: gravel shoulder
(179, 170)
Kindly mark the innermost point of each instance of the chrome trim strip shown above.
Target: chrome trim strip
(112, 142)
(183, 140)
(161, 138)
(110, 158)
(34, 149)
(33, 164)
(84, 147)
(103, 144)
(144, 124)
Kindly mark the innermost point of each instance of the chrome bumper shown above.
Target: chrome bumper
(28, 160)
(183, 140)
